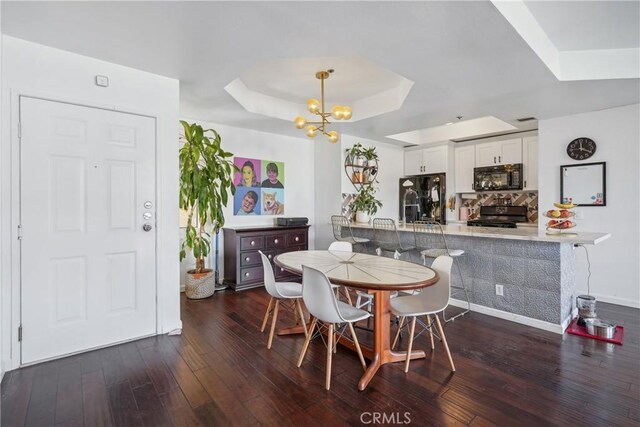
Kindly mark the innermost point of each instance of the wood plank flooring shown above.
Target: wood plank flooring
(219, 373)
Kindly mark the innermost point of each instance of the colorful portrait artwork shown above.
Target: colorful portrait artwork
(259, 187)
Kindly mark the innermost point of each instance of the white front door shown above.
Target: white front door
(88, 267)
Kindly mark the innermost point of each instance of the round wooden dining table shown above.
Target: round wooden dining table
(377, 275)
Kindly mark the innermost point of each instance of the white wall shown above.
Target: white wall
(297, 155)
(615, 266)
(40, 71)
(2, 333)
(391, 169)
(327, 188)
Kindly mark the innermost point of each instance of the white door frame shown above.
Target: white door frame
(16, 260)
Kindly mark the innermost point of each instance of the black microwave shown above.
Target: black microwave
(497, 178)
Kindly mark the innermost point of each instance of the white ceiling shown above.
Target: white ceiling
(591, 24)
(463, 57)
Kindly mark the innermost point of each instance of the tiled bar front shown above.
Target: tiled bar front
(538, 277)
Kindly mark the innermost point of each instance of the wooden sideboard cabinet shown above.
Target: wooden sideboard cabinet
(242, 263)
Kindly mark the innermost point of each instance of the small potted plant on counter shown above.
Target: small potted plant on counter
(206, 178)
(365, 204)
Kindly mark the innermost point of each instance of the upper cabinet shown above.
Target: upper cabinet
(530, 162)
(499, 152)
(428, 160)
(465, 161)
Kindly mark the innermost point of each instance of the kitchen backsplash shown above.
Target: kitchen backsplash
(530, 200)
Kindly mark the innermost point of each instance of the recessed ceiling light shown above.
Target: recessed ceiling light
(448, 124)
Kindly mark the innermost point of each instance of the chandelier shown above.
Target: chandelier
(338, 112)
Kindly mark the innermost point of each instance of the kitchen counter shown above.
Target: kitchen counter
(536, 271)
(522, 233)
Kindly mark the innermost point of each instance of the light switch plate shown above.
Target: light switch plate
(102, 81)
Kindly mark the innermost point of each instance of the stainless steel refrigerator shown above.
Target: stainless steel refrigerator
(423, 197)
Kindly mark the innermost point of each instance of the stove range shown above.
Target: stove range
(500, 216)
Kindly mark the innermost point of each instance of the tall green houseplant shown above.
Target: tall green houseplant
(206, 178)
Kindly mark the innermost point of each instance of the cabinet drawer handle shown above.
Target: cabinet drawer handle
(253, 243)
(275, 241)
(247, 259)
(499, 159)
(494, 159)
(246, 274)
(297, 239)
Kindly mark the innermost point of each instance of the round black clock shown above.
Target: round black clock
(581, 148)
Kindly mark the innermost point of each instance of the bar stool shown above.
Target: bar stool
(340, 223)
(387, 239)
(431, 243)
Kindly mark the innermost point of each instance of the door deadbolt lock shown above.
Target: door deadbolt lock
(148, 205)
(147, 227)
(146, 215)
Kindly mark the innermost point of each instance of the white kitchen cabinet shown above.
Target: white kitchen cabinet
(465, 161)
(413, 162)
(530, 162)
(499, 152)
(428, 160)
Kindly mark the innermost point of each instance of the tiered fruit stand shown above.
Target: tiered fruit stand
(560, 224)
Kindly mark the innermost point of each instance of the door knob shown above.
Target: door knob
(147, 227)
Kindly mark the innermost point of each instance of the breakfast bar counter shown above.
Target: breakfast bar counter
(536, 271)
(520, 233)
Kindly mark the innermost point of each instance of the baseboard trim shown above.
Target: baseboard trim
(613, 300)
(517, 318)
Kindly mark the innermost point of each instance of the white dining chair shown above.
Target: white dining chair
(431, 301)
(325, 308)
(342, 246)
(280, 291)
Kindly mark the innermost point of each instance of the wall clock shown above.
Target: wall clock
(581, 148)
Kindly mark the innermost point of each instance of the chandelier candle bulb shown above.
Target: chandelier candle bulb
(300, 122)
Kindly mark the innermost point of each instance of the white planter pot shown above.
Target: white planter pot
(198, 286)
(362, 216)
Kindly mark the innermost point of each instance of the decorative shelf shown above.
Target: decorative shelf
(361, 173)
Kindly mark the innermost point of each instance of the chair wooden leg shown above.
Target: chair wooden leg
(444, 341)
(273, 323)
(301, 314)
(266, 315)
(358, 349)
(306, 341)
(329, 354)
(430, 332)
(346, 294)
(395, 340)
(413, 329)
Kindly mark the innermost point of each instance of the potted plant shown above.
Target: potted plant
(206, 178)
(355, 155)
(365, 204)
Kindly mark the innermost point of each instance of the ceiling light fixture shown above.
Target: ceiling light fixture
(338, 112)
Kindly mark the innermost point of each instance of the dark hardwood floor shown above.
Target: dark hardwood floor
(220, 373)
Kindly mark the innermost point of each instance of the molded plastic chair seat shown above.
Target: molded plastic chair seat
(289, 289)
(352, 314)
